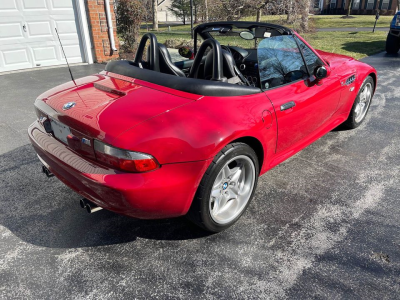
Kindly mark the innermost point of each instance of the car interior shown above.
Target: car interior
(220, 70)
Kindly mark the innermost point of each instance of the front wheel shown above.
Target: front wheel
(361, 104)
(392, 44)
(226, 188)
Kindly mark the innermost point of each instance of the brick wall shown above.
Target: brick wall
(99, 30)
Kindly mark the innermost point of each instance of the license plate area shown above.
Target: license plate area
(60, 130)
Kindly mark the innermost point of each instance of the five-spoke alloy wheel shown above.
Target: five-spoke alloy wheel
(226, 188)
(361, 104)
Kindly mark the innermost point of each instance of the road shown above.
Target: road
(324, 224)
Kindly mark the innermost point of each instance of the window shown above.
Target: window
(280, 61)
(312, 60)
(370, 4)
(385, 4)
(333, 4)
(356, 4)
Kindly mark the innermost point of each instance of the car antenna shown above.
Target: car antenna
(70, 72)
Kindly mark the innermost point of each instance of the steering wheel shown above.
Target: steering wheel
(153, 59)
(217, 60)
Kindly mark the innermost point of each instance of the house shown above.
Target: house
(164, 14)
(29, 39)
(359, 7)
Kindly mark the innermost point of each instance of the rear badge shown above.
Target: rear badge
(68, 105)
(86, 141)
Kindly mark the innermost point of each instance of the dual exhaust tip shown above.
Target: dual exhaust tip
(89, 206)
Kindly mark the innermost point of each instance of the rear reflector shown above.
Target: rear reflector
(125, 160)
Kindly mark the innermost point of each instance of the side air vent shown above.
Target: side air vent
(350, 80)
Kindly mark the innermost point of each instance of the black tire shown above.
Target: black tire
(352, 121)
(392, 44)
(199, 212)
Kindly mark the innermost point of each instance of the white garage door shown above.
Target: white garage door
(28, 38)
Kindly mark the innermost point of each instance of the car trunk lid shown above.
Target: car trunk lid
(105, 108)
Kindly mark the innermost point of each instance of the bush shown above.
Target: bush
(129, 14)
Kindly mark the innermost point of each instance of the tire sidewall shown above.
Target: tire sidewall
(357, 100)
(241, 149)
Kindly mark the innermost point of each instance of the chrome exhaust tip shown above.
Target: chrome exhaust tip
(83, 202)
(92, 208)
(89, 206)
(47, 171)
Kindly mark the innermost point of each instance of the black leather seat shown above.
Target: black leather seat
(166, 64)
(229, 69)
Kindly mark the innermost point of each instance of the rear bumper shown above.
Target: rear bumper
(163, 193)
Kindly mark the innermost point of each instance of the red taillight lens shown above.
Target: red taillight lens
(123, 159)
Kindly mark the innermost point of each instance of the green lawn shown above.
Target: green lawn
(354, 44)
(328, 21)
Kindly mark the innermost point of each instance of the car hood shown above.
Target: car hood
(104, 107)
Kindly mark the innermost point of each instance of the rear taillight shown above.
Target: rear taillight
(125, 160)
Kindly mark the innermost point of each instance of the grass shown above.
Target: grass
(325, 21)
(318, 21)
(354, 44)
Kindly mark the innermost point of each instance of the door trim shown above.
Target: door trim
(84, 30)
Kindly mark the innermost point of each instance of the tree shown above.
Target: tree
(181, 9)
(129, 16)
(155, 14)
(304, 6)
(349, 8)
(206, 10)
(232, 8)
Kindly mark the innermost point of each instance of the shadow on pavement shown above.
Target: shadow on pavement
(43, 212)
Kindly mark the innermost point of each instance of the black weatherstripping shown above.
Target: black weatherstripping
(188, 85)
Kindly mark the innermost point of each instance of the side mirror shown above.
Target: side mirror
(321, 72)
(186, 52)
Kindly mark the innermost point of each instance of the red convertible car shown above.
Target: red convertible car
(150, 138)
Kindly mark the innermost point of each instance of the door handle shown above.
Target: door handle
(288, 105)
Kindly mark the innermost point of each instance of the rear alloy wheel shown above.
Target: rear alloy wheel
(361, 104)
(392, 44)
(226, 188)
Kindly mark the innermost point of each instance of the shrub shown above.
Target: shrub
(129, 14)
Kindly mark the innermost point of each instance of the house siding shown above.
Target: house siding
(342, 6)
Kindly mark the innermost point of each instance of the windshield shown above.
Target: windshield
(233, 38)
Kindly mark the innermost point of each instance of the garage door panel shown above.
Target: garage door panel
(15, 59)
(34, 4)
(28, 37)
(11, 31)
(44, 54)
(66, 27)
(72, 51)
(39, 29)
(8, 5)
(61, 4)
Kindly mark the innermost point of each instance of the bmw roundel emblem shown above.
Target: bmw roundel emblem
(68, 105)
(225, 186)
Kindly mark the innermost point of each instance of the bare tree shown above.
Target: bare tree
(304, 6)
(206, 10)
(349, 8)
(155, 14)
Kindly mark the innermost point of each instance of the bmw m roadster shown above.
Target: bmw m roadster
(153, 138)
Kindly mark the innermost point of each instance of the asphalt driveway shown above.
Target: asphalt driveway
(324, 224)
